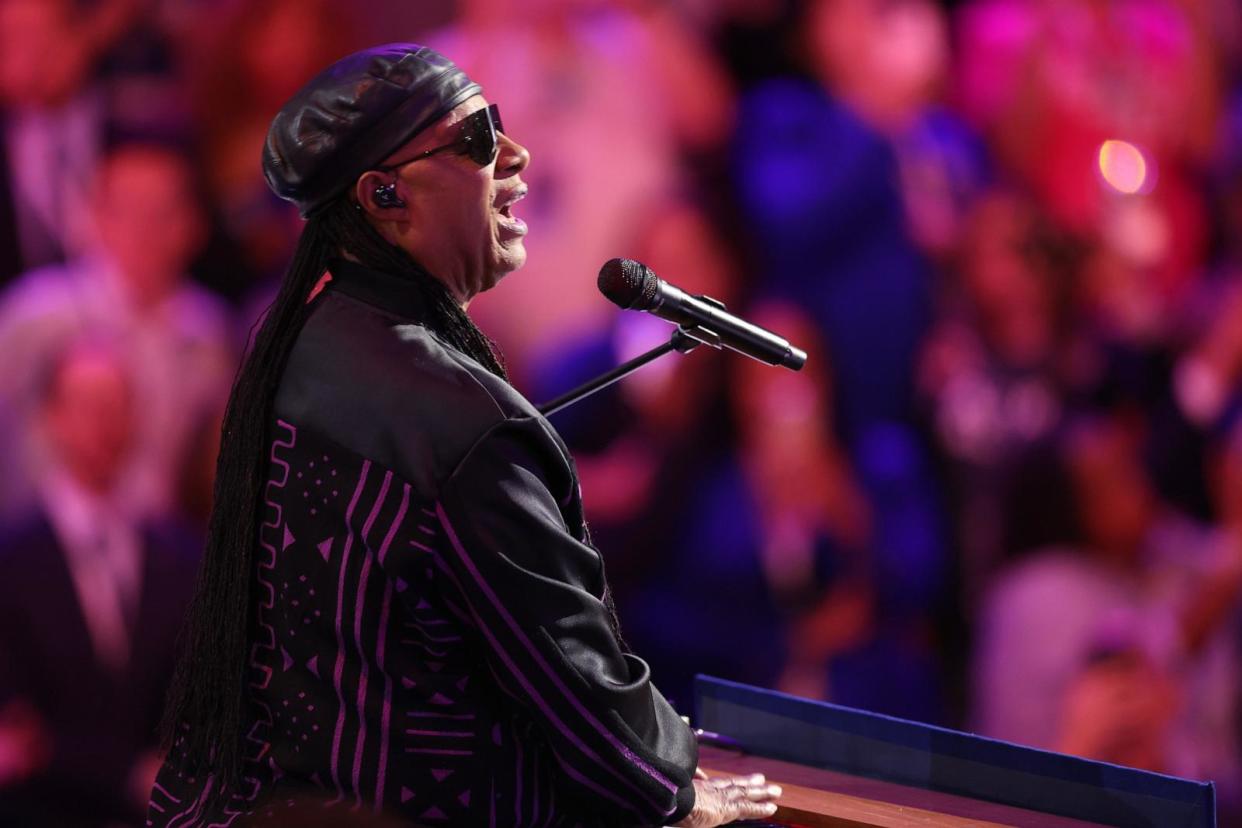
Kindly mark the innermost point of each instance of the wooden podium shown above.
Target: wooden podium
(849, 768)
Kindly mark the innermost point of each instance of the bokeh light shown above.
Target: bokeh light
(1123, 167)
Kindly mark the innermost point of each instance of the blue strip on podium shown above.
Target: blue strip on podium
(780, 726)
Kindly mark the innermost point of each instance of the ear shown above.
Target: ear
(365, 189)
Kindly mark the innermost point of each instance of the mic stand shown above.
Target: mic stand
(684, 340)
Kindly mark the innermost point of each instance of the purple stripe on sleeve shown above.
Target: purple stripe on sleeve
(556, 680)
(191, 813)
(365, 663)
(382, 773)
(457, 611)
(334, 766)
(396, 523)
(517, 779)
(460, 734)
(573, 773)
(434, 639)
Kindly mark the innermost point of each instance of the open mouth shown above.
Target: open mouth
(514, 196)
(512, 223)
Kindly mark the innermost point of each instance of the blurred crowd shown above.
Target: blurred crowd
(1005, 493)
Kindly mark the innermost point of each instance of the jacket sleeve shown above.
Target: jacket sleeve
(536, 593)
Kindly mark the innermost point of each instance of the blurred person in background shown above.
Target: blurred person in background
(148, 224)
(783, 525)
(889, 63)
(50, 131)
(625, 90)
(1224, 481)
(1123, 649)
(818, 189)
(818, 162)
(254, 56)
(1207, 380)
(778, 528)
(870, 630)
(90, 602)
(53, 118)
(993, 371)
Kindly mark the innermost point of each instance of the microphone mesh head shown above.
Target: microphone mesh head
(628, 283)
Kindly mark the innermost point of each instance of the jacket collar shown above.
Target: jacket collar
(399, 295)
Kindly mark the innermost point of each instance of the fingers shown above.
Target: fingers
(746, 797)
(750, 787)
(754, 810)
(728, 798)
(750, 801)
(752, 793)
(737, 781)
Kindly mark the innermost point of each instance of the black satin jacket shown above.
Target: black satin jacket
(432, 645)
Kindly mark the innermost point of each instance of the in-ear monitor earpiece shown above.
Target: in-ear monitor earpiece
(385, 196)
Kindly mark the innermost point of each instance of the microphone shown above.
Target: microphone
(633, 286)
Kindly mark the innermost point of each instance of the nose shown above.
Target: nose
(512, 158)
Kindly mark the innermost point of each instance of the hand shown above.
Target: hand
(728, 798)
(1119, 711)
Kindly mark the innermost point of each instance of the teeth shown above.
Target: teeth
(507, 206)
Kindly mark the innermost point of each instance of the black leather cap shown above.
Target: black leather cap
(355, 114)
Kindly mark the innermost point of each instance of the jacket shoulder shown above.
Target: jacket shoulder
(388, 390)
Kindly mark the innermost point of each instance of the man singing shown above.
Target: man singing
(400, 614)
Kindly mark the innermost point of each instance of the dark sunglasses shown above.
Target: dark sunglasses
(476, 138)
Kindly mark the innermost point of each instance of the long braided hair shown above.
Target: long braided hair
(206, 706)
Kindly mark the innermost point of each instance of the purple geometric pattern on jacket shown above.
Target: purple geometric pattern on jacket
(374, 672)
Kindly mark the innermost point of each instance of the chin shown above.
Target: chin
(511, 259)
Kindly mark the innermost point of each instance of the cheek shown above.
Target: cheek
(466, 210)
